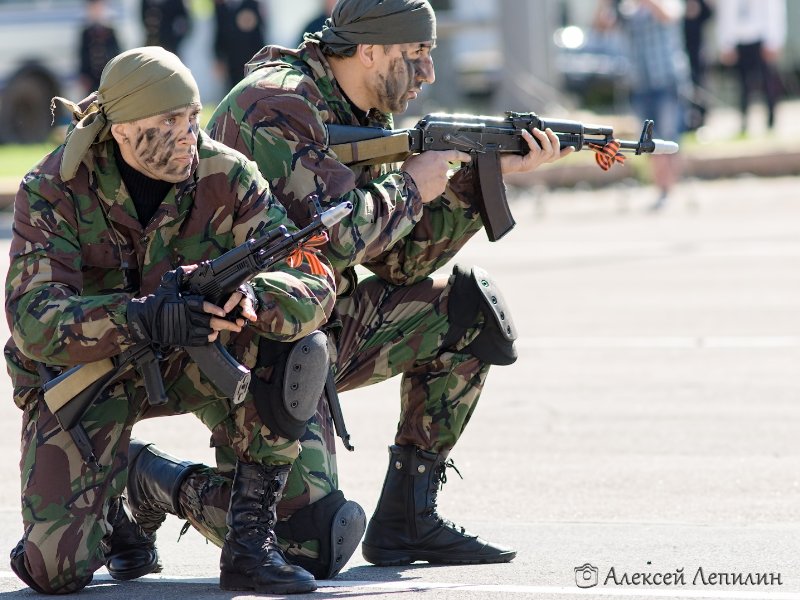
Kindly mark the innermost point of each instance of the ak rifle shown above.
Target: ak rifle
(486, 138)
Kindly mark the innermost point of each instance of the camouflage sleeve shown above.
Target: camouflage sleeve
(293, 301)
(49, 320)
(390, 231)
(285, 134)
(446, 225)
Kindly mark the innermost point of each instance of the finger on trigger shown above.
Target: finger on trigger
(458, 156)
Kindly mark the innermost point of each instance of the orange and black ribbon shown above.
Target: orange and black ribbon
(300, 254)
(608, 154)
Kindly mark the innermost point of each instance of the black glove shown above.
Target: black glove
(167, 317)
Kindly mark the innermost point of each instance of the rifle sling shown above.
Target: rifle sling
(59, 394)
(335, 408)
(375, 151)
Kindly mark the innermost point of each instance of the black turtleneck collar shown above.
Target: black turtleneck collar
(360, 114)
(147, 194)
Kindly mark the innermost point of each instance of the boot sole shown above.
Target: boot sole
(384, 558)
(234, 582)
(488, 560)
(129, 574)
(392, 558)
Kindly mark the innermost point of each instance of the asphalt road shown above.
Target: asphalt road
(649, 428)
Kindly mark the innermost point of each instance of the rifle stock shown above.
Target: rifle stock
(482, 137)
(69, 395)
(88, 380)
(59, 390)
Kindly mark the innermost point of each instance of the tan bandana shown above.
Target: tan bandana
(137, 84)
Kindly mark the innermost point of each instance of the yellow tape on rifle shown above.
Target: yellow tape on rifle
(58, 395)
(392, 148)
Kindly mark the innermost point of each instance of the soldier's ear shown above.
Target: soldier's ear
(366, 54)
(120, 133)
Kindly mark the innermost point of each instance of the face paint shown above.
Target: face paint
(156, 149)
(163, 148)
(403, 80)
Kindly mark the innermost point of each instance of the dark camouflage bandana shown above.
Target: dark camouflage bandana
(381, 22)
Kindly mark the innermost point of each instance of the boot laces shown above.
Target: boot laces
(439, 479)
(184, 528)
(191, 501)
(126, 531)
(441, 476)
(265, 521)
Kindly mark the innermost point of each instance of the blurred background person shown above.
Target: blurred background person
(238, 35)
(751, 35)
(98, 45)
(317, 22)
(659, 80)
(695, 20)
(166, 23)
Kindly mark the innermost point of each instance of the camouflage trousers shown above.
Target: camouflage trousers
(387, 330)
(65, 504)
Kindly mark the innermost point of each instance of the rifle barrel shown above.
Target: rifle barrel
(654, 146)
(335, 214)
(664, 147)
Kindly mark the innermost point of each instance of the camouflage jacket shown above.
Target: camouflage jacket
(79, 254)
(277, 116)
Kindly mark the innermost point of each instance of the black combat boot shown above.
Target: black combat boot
(336, 523)
(251, 558)
(130, 552)
(154, 482)
(406, 527)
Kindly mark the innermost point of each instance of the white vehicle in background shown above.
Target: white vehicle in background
(39, 42)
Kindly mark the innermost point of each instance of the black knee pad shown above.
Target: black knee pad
(473, 292)
(337, 523)
(289, 398)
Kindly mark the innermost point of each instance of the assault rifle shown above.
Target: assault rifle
(70, 394)
(485, 138)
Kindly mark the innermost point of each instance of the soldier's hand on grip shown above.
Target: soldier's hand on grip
(169, 318)
(430, 171)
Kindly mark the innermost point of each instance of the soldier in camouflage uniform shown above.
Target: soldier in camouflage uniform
(441, 334)
(136, 191)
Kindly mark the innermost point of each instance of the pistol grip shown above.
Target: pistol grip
(153, 382)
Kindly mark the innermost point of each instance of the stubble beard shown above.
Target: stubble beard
(395, 87)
